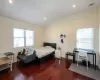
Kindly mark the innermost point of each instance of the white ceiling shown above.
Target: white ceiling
(34, 11)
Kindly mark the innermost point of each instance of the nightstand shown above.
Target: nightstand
(57, 54)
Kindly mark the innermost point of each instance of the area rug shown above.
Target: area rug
(92, 73)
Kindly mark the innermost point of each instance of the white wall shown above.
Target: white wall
(99, 34)
(70, 25)
(6, 34)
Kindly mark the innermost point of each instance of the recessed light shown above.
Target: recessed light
(74, 6)
(10, 1)
(45, 18)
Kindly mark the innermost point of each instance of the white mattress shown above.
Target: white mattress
(43, 51)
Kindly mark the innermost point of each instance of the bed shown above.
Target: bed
(46, 52)
(39, 55)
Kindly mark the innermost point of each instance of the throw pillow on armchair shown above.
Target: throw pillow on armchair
(21, 52)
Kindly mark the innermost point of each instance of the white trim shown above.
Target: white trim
(24, 38)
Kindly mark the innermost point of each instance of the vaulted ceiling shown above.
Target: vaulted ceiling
(42, 11)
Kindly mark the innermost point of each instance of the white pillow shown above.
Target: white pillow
(30, 50)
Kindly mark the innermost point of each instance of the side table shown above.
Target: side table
(11, 58)
(71, 54)
(4, 63)
(57, 54)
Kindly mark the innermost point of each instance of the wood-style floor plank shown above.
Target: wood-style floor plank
(42, 72)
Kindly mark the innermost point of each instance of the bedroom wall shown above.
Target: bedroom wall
(6, 34)
(70, 25)
(99, 34)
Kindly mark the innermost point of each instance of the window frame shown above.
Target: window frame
(86, 38)
(24, 37)
(28, 37)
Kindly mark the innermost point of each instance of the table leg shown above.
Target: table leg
(74, 59)
(13, 58)
(13, 61)
(11, 64)
(67, 57)
(95, 61)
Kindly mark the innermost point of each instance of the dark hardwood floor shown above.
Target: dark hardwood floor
(30, 72)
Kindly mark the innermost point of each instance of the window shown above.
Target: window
(29, 38)
(23, 37)
(85, 38)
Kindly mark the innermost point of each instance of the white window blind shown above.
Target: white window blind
(23, 37)
(29, 38)
(85, 38)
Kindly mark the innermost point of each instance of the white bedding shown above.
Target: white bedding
(43, 51)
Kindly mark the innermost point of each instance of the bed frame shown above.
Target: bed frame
(53, 45)
(49, 56)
